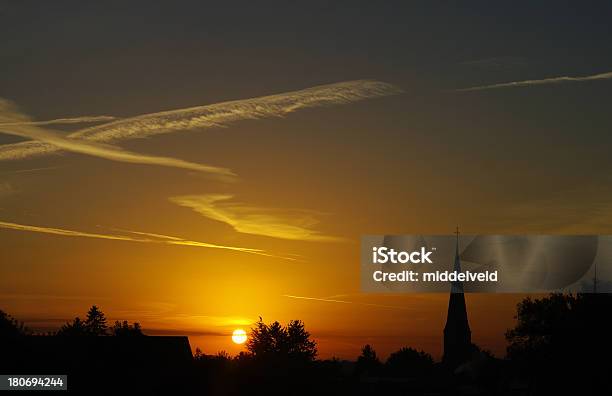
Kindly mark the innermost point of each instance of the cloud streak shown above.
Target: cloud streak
(275, 223)
(75, 120)
(31, 170)
(330, 300)
(167, 240)
(172, 240)
(545, 81)
(19, 125)
(209, 116)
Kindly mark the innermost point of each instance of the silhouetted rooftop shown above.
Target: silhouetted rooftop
(143, 362)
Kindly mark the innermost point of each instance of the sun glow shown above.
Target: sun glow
(239, 336)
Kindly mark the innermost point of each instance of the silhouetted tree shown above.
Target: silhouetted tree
(260, 341)
(276, 341)
(560, 340)
(75, 328)
(198, 354)
(126, 329)
(538, 323)
(10, 326)
(408, 362)
(368, 363)
(96, 321)
(94, 325)
(299, 343)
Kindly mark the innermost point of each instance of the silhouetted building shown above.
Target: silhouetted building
(104, 364)
(457, 334)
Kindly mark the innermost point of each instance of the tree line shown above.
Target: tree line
(94, 324)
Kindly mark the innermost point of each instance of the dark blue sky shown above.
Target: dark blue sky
(253, 47)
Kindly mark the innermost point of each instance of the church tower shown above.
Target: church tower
(457, 334)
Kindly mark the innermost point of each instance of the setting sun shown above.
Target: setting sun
(239, 336)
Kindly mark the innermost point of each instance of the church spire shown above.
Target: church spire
(595, 279)
(457, 334)
(457, 243)
(457, 286)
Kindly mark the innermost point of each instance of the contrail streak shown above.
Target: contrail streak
(64, 232)
(76, 120)
(155, 238)
(74, 233)
(343, 301)
(552, 80)
(149, 234)
(172, 240)
(115, 153)
(32, 169)
(20, 127)
(317, 299)
(213, 115)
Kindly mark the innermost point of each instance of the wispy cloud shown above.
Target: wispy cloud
(63, 121)
(31, 170)
(276, 223)
(544, 81)
(19, 126)
(168, 240)
(28, 149)
(330, 300)
(208, 116)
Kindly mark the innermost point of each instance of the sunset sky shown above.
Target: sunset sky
(403, 117)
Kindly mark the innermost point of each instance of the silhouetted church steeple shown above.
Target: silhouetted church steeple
(457, 334)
